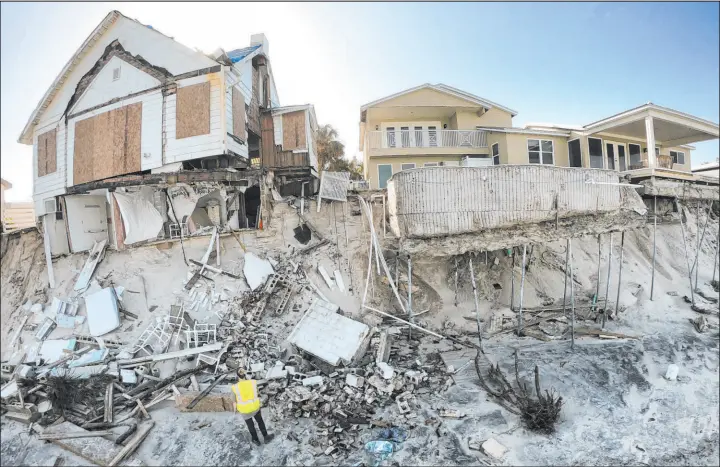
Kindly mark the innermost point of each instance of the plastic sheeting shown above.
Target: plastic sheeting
(141, 219)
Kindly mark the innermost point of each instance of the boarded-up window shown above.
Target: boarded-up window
(47, 153)
(238, 113)
(192, 113)
(108, 144)
(293, 128)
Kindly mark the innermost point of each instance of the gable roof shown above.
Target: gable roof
(239, 54)
(445, 89)
(109, 20)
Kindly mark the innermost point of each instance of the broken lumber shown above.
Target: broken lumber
(86, 434)
(206, 391)
(214, 269)
(601, 333)
(133, 444)
(170, 355)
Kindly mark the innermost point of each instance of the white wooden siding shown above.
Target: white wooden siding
(51, 184)
(137, 39)
(103, 88)
(232, 81)
(194, 147)
(150, 133)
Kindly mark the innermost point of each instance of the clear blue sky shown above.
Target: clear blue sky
(552, 62)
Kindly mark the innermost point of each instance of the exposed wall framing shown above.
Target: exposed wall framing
(238, 114)
(108, 144)
(193, 111)
(47, 152)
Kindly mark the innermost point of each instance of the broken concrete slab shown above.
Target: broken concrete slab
(87, 271)
(313, 381)
(672, 372)
(330, 336)
(387, 371)
(103, 315)
(494, 449)
(354, 380)
(256, 270)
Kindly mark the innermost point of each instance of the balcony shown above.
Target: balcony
(427, 138)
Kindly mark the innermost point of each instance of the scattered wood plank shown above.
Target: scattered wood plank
(133, 444)
(601, 333)
(86, 434)
(142, 408)
(214, 269)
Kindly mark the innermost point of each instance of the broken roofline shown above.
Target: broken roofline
(26, 137)
(194, 176)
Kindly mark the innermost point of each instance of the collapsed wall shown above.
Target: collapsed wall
(452, 210)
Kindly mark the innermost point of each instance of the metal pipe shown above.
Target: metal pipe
(567, 255)
(652, 280)
(617, 299)
(477, 305)
(696, 264)
(687, 259)
(410, 313)
(607, 286)
(456, 281)
(572, 295)
(597, 286)
(522, 285)
(699, 239)
(512, 281)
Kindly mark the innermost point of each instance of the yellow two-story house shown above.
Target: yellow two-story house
(437, 125)
(427, 126)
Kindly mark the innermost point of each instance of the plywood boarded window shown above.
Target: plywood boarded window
(108, 144)
(293, 127)
(238, 113)
(192, 112)
(47, 153)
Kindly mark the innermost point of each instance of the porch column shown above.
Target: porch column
(650, 135)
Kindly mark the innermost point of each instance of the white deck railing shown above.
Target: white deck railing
(427, 139)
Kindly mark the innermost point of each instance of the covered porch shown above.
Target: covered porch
(668, 131)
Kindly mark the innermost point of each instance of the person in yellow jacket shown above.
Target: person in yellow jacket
(247, 403)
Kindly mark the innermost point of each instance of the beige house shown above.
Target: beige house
(433, 125)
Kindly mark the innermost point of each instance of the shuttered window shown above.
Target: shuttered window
(47, 153)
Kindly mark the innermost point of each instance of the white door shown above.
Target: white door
(86, 220)
(616, 157)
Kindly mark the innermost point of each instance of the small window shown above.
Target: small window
(678, 157)
(574, 153)
(390, 132)
(430, 164)
(596, 153)
(116, 74)
(635, 156)
(384, 174)
(540, 151)
(405, 136)
(432, 136)
(496, 153)
(407, 166)
(419, 137)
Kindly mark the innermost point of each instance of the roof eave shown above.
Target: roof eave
(26, 136)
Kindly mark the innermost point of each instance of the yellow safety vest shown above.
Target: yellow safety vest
(246, 396)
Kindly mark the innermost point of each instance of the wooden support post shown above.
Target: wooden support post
(512, 281)
(652, 279)
(607, 286)
(456, 280)
(522, 286)
(701, 237)
(477, 305)
(622, 251)
(48, 254)
(567, 256)
(717, 251)
(572, 295)
(410, 313)
(596, 301)
(687, 258)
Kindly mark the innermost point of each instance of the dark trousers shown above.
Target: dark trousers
(261, 424)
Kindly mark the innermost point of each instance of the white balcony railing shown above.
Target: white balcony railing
(427, 139)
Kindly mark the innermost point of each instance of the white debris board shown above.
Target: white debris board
(334, 185)
(328, 335)
(102, 312)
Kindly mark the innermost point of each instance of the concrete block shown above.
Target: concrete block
(256, 367)
(354, 381)
(313, 381)
(128, 377)
(387, 370)
(383, 352)
(672, 372)
(494, 449)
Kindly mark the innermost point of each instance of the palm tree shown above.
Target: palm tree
(329, 150)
